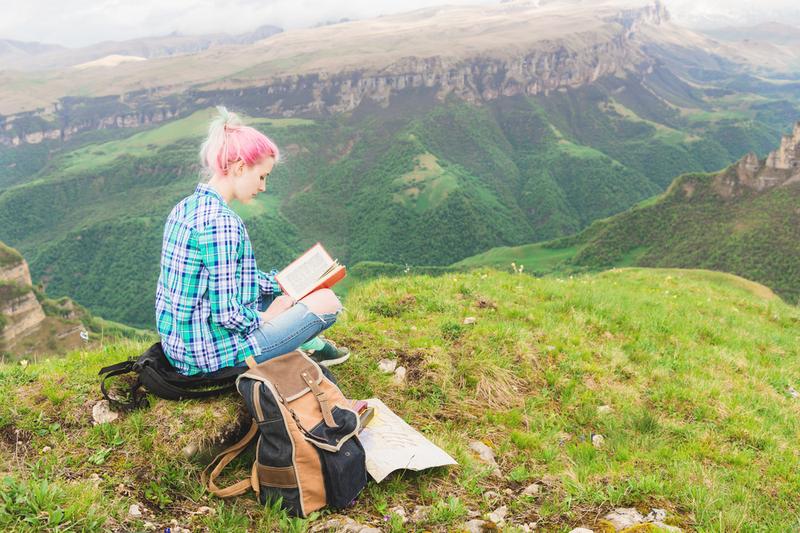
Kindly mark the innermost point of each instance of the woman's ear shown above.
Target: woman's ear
(238, 168)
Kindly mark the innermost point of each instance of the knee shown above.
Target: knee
(323, 301)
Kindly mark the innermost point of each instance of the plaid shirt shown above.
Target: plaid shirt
(209, 287)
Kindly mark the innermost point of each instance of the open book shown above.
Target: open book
(313, 270)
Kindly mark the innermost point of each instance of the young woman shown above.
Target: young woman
(214, 307)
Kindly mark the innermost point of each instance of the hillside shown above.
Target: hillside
(31, 324)
(688, 376)
(742, 220)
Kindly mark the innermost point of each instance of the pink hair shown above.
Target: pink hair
(229, 141)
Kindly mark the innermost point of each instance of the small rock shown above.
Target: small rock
(102, 413)
(793, 393)
(134, 511)
(498, 516)
(474, 526)
(508, 491)
(581, 530)
(530, 526)
(604, 409)
(46, 449)
(598, 440)
(666, 527)
(190, 450)
(486, 455)
(420, 513)
(656, 515)
(490, 495)
(532, 489)
(549, 348)
(205, 510)
(399, 511)
(469, 320)
(399, 375)
(149, 526)
(95, 479)
(413, 328)
(624, 517)
(387, 366)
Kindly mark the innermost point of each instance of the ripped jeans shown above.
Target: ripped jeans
(288, 330)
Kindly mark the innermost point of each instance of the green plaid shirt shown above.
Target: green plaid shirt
(209, 286)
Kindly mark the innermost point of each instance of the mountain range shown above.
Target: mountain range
(531, 123)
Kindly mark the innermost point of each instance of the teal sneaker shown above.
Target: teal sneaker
(330, 355)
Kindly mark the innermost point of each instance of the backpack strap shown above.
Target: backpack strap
(155, 382)
(137, 396)
(224, 458)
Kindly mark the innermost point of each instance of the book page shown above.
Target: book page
(308, 269)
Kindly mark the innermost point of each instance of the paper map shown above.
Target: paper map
(390, 444)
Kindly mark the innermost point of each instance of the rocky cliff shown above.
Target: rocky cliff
(781, 167)
(509, 61)
(20, 312)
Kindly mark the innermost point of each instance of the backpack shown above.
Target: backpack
(155, 374)
(307, 450)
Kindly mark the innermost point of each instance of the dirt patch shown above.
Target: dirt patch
(485, 303)
(414, 363)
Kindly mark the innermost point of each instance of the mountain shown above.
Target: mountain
(32, 56)
(742, 220)
(409, 159)
(688, 376)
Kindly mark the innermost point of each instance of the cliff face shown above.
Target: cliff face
(539, 67)
(20, 310)
(780, 168)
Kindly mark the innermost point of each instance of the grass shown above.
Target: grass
(193, 126)
(533, 257)
(695, 366)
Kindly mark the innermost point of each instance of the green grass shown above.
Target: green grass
(533, 257)
(695, 366)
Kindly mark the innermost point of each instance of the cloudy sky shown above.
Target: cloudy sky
(80, 22)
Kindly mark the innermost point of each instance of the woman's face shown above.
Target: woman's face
(250, 180)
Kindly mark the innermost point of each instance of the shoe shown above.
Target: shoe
(330, 354)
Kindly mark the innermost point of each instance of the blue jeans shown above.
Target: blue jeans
(288, 330)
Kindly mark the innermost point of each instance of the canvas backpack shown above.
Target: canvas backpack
(156, 375)
(307, 449)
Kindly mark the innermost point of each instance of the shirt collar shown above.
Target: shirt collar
(208, 190)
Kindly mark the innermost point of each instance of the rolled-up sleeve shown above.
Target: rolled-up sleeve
(267, 283)
(219, 244)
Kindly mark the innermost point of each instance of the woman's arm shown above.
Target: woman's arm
(267, 283)
(219, 243)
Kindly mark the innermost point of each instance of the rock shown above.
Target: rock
(598, 440)
(399, 511)
(666, 527)
(490, 495)
(793, 393)
(205, 510)
(387, 366)
(190, 450)
(581, 530)
(343, 525)
(46, 449)
(486, 455)
(604, 409)
(469, 320)
(420, 513)
(624, 517)
(102, 413)
(656, 515)
(149, 526)
(498, 516)
(532, 489)
(134, 511)
(474, 526)
(399, 375)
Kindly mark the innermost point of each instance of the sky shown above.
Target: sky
(76, 23)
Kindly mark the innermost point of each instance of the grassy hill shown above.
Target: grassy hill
(694, 369)
(420, 182)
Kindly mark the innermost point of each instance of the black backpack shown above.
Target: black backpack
(155, 374)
